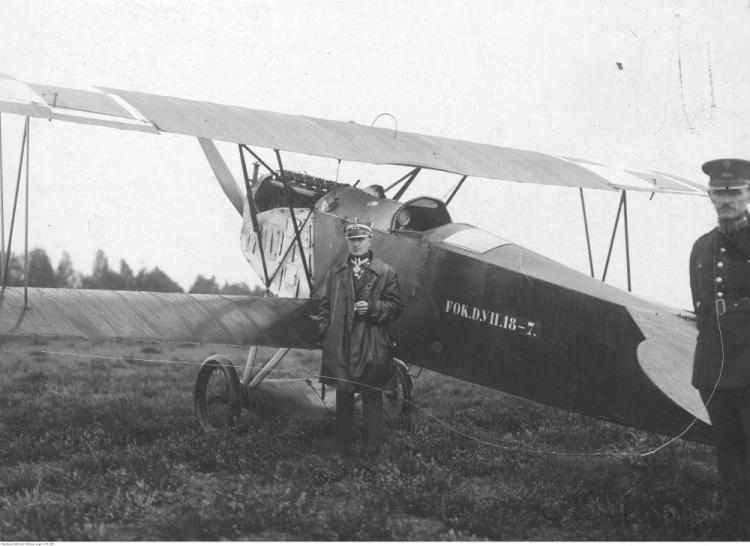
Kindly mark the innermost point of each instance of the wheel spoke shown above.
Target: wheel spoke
(216, 395)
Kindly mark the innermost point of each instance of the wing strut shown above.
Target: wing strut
(455, 190)
(2, 208)
(260, 160)
(254, 218)
(627, 231)
(222, 173)
(397, 182)
(407, 183)
(24, 150)
(26, 221)
(623, 207)
(288, 249)
(290, 200)
(588, 239)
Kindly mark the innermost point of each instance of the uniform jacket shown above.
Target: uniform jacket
(720, 269)
(358, 349)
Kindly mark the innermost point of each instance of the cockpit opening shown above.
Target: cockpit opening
(421, 214)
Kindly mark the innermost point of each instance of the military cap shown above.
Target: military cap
(357, 229)
(727, 173)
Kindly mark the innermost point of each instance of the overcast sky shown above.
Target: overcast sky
(535, 75)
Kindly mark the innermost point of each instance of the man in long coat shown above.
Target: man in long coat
(720, 285)
(359, 300)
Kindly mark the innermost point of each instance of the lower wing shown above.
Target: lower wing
(163, 317)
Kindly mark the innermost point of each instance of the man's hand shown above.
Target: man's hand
(361, 307)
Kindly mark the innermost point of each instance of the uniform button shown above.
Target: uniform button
(720, 264)
(720, 294)
(718, 279)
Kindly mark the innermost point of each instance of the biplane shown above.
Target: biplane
(478, 307)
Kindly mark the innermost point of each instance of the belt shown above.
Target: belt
(729, 306)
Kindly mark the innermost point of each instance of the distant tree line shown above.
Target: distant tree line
(103, 277)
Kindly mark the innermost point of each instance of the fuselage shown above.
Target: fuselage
(486, 310)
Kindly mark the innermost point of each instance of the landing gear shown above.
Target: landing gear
(398, 398)
(217, 394)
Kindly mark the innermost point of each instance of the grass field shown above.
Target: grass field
(110, 449)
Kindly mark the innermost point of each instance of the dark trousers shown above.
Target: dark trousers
(729, 410)
(372, 418)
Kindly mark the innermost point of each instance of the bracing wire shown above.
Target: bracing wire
(721, 368)
(413, 405)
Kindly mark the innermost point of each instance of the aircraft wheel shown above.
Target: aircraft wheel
(398, 401)
(217, 394)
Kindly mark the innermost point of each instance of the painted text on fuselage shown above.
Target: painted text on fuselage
(495, 319)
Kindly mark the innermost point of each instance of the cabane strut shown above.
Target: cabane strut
(281, 176)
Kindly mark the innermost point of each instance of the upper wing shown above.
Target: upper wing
(150, 316)
(320, 137)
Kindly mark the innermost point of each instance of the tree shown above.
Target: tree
(257, 290)
(15, 271)
(99, 271)
(40, 269)
(156, 281)
(102, 277)
(237, 289)
(127, 279)
(39, 272)
(65, 275)
(202, 285)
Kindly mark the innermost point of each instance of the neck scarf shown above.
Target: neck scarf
(359, 264)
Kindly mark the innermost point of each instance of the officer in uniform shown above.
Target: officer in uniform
(360, 298)
(720, 285)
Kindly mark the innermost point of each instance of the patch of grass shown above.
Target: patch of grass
(109, 449)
